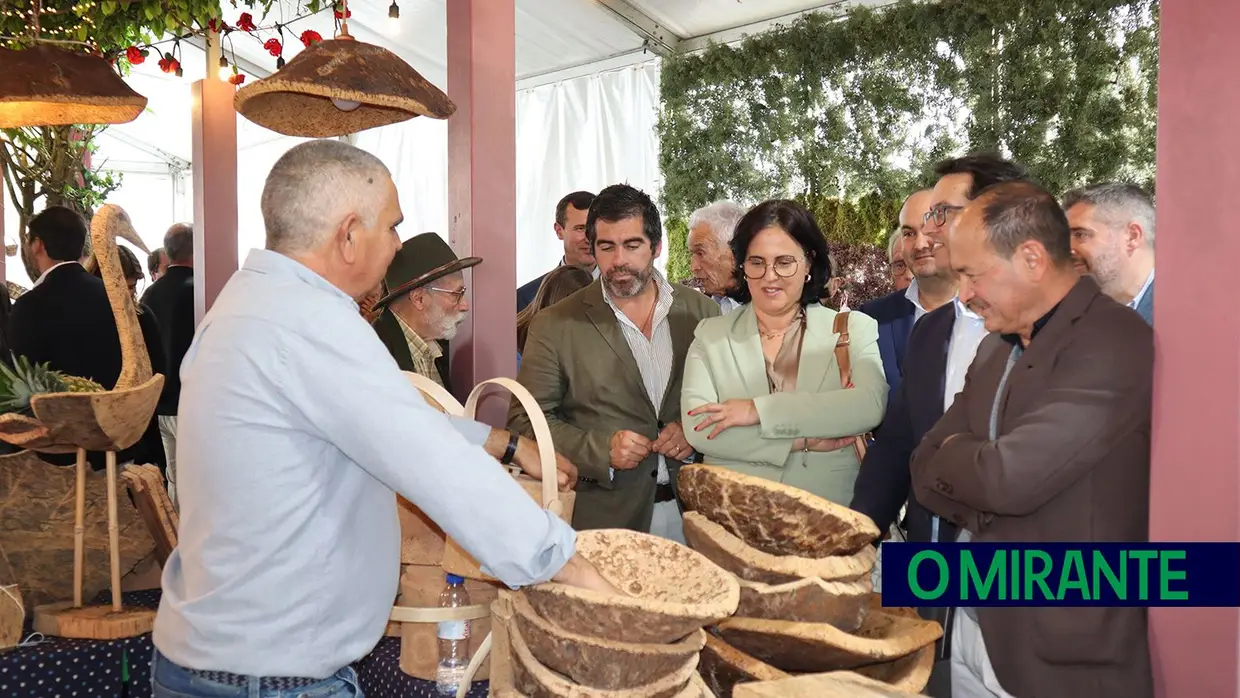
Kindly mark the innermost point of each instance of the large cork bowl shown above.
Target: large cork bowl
(809, 600)
(773, 517)
(599, 663)
(534, 680)
(814, 647)
(747, 562)
(670, 590)
(910, 673)
(723, 666)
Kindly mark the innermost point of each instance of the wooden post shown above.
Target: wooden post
(215, 182)
(482, 190)
(1195, 477)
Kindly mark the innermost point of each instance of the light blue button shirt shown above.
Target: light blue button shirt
(295, 426)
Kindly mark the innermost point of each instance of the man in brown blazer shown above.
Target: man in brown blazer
(605, 366)
(1048, 441)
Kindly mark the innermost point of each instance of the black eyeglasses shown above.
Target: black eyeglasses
(939, 214)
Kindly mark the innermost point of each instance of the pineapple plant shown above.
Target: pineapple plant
(24, 380)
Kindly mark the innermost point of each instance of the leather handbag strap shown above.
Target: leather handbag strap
(842, 358)
(841, 349)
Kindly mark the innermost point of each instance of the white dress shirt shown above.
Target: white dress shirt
(295, 427)
(654, 356)
(967, 333)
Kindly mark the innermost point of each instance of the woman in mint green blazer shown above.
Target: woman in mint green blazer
(762, 389)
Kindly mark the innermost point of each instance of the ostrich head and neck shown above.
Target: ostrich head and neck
(109, 223)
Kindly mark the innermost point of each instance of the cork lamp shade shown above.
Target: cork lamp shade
(339, 87)
(48, 86)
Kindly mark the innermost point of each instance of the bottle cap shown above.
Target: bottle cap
(453, 579)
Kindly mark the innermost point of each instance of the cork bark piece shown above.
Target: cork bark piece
(809, 600)
(533, 679)
(723, 667)
(814, 647)
(835, 684)
(598, 663)
(910, 673)
(734, 555)
(671, 591)
(773, 517)
(875, 603)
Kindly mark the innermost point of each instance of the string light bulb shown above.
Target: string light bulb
(345, 104)
(225, 69)
(394, 11)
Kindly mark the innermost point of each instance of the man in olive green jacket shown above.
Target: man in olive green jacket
(579, 363)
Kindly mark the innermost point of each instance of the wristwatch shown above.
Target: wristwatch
(511, 451)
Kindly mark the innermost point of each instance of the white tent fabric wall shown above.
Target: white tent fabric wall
(585, 133)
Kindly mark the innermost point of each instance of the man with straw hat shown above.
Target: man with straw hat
(424, 305)
(294, 428)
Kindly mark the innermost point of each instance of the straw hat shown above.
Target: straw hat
(48, 86)
(338, 87)
(419, 261)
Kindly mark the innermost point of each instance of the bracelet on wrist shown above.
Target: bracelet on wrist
(511, 451)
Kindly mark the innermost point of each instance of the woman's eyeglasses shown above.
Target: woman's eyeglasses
(786, 266)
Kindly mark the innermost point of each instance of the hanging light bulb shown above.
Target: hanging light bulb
(394, 11)
(345, 104)
(225, 69)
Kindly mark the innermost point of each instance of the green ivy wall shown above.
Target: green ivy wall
(848, 113)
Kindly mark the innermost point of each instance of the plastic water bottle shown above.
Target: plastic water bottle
(453, 639)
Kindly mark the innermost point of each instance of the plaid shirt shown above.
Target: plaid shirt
(424, 353)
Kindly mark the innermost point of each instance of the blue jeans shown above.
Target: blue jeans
(170, 680)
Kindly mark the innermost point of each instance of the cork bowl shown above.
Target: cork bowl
(773, 517)
(809, 600)
(911, 673)
(815, 647)
(534, 680)
(598, 663)
(743, 560)
(723, 666)
(670, 590)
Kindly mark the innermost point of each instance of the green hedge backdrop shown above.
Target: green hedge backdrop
(848, 112)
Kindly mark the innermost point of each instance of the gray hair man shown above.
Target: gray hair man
(710, 250)
(297, 428)
(901, 275)
(1113, 241)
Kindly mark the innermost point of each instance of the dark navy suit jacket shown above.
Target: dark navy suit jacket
(895, 314)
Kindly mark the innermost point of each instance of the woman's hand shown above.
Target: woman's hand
(827, 445)
(731, 413)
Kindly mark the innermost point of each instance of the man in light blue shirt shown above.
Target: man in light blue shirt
(295, 428)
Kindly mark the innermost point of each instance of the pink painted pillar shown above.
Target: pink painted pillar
(1195, 487)
(215, 185)
(482, 190)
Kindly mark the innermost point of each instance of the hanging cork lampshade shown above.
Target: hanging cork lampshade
(338, 87)
(48, 86)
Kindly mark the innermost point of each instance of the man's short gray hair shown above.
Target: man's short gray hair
(313, 187)
(721, 216)
(1116, 203)
(179, 243)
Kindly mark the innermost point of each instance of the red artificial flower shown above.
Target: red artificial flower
(237, 78)
(217, 25)
(166, 63)
(273, 46)
(344, 15)
(134, 55)
(310, 37)
(246, 22)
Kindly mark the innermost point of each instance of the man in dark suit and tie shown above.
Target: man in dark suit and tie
(940, 350)
(1113, 241)
(1049, 440)
(933, 285)
(570, 227)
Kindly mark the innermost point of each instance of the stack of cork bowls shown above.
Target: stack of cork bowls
(644, 643)
(806, 605)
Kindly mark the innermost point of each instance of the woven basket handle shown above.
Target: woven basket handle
(437, 392)
(542, 434)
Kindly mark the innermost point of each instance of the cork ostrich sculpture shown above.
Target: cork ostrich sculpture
(96, 420)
